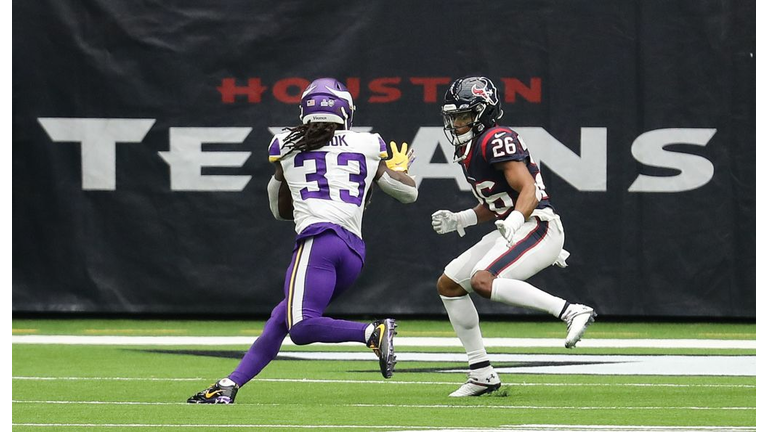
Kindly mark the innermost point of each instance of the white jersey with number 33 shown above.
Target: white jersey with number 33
(330, 184)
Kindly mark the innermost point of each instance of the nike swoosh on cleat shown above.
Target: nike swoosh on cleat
(212, 394)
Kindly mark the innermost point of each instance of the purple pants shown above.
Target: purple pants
(326, 262)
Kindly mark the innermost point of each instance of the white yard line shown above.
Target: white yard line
(254, 426)
(394, 428)
(389, 382)
(586, 364)
(556, 408)
(629, 428)
(557, 364)
(430, 406)
(400, 342)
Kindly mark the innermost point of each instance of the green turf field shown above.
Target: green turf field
(144, 387)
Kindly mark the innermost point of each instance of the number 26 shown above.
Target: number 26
(505, 147)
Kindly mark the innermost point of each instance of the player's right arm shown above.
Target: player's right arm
(445, 221)
(483, 213)
(280, 201)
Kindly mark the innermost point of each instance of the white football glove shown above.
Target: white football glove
(510, 225)
(445, 221)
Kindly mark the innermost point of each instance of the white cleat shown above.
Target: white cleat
(578, 317)
(476, 386)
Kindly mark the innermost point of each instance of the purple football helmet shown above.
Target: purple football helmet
(327, 100)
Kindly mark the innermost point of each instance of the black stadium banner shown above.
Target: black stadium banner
(140, 135)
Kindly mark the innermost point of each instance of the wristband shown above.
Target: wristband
(515, 220)
(464, 219)
(467, 217)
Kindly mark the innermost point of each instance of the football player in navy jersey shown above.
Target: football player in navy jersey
(528, 236)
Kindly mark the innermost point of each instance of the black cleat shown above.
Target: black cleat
(382, 344)
(218, 393)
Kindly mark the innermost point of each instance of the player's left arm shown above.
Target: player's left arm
(392, 175)
(520, 179)
(396, 184)
(517, 175)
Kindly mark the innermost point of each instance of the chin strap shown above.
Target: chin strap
(466, 137)
(459, 156)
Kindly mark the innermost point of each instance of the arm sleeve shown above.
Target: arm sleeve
(398, 190)
(273, 191)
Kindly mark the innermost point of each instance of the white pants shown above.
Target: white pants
(538, 244)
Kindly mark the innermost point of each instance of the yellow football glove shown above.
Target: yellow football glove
(401, 159)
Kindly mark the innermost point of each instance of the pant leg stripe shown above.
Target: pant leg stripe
(515, 253)
(298, 283)
(290, 283)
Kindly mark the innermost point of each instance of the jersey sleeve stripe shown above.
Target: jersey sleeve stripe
(274, 150)
(382, 149)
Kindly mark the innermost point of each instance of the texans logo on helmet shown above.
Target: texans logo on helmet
(484, 92)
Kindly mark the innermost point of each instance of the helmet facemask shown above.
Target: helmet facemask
(461, 126)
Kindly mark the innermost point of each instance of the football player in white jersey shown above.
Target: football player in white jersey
(323, 176)
(529, 236)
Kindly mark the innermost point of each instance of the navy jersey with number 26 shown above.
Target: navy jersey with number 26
(495, 145)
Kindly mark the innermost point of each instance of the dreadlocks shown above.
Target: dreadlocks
(310, 136)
